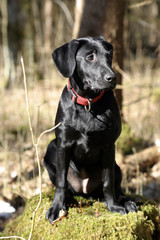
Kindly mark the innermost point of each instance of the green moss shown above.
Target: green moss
(87, 219)
(21, 129)
(127, 140)
(156, 95)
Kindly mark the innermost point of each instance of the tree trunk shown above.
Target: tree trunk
(113, 32)
(5, 44)
(38, 39)
(89, 18)
(94, 18)
(48, 11)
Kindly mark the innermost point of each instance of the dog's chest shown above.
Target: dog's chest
(89, 122)
(93, 133)
(97, 128)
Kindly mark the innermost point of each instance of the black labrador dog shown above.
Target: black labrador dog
(81, 160)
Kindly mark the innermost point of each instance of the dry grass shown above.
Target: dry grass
(143, 85)
(18, 170)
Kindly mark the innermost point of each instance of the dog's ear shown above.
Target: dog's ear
(110, 48)
(65, 58)
(108, 45)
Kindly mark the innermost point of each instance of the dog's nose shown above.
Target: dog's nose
(110, 77)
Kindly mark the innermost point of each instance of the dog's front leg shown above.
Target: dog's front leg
(108, 178)
(60, 199)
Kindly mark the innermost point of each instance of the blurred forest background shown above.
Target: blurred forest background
(33, 29)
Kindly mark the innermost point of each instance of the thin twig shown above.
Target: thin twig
(125, 75)
(137, 100)
(46, 131)
(27, 102)
(66, 11)
(15, 237)
(141, 4)
(36, 148)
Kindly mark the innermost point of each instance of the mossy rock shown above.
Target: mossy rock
(86, 220)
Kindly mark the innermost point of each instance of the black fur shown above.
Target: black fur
(84, 147)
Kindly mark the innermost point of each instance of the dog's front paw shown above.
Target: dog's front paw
(55, 212)
(128, 204)
(116, 208)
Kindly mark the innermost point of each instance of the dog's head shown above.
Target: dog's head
(88, 58)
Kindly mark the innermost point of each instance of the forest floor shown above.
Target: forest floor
(18, 167)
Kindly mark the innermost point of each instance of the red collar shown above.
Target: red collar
(81, 100)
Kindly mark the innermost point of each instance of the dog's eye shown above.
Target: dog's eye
(91, 57)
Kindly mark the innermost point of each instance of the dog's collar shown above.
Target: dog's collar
(76, 98)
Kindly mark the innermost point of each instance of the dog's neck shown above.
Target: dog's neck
(76, 98)
(79, 88)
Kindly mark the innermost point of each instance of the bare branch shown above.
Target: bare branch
(36, 149)
(124, 75)
(141, 4)
(15, 237)
(137, 100)
(66, 11)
